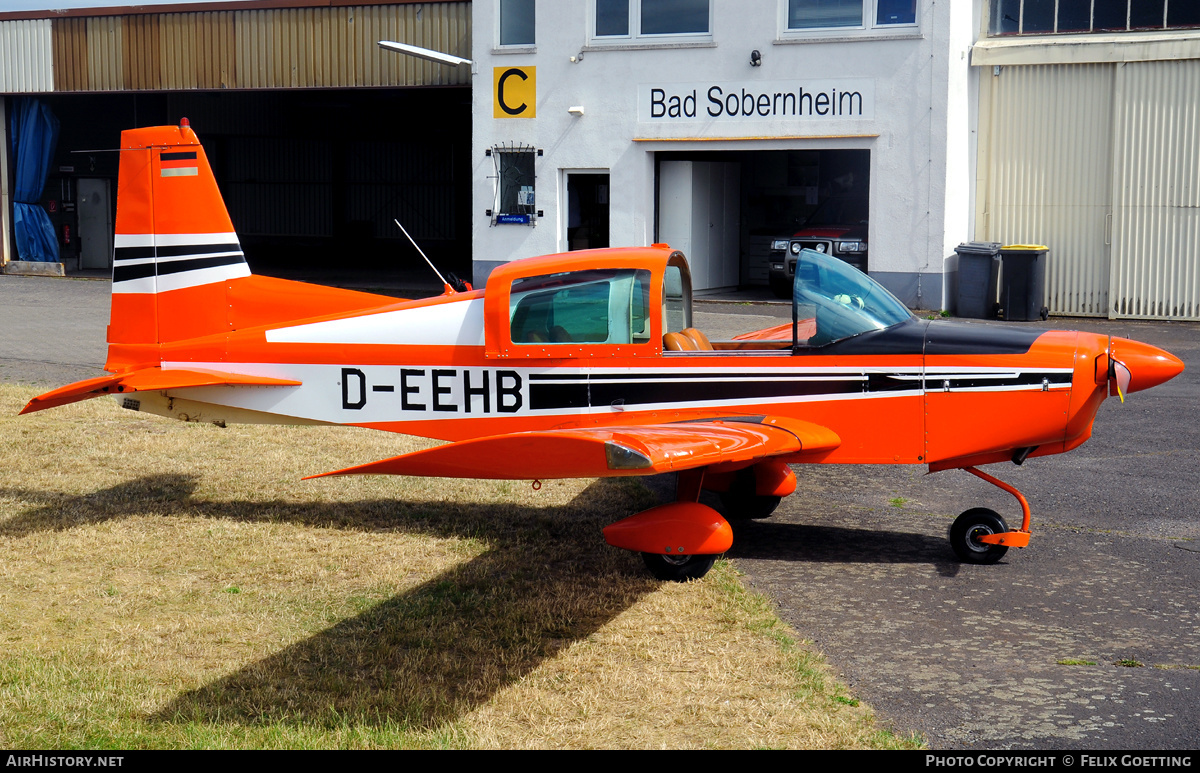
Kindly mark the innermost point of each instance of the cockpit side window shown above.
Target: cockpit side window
(600, 306)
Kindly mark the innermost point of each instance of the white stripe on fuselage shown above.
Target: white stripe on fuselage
(443, 324)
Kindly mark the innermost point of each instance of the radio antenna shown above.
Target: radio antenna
(449, 289)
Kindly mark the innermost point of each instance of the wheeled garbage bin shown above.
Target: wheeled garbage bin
(1023, 281)
(978, 268)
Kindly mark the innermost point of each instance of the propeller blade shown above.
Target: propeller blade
(1119, 371)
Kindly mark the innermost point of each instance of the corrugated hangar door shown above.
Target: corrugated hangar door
(1156, 202)
(1046, 174)
(1101, 163)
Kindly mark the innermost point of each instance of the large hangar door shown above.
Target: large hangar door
(724, 209)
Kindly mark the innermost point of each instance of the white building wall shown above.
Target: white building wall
(918, 134)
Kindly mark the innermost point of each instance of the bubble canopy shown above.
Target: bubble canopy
(844, 301)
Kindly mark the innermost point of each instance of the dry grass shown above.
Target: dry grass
(174, 585)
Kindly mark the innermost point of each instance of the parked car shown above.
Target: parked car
(837, 227)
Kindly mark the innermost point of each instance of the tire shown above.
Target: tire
(968, 527)
(740, 503)
(747, 507)
(781, 288)
(678, 568)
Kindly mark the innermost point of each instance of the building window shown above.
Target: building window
(515, 201)
(1046, 17)
(810, 15)
(652, 18)
(517, 23)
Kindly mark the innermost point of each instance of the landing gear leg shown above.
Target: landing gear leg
(980, 535)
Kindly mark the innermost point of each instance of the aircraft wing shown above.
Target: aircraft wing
(146, 380)
(594, 452)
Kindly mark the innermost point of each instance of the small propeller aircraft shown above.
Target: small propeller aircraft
(587, 365)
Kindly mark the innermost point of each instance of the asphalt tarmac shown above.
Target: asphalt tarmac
(1087, 639)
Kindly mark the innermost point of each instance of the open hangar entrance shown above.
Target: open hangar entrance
(724, 209)
(312, 178)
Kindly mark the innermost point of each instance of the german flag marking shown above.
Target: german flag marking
(182, 164)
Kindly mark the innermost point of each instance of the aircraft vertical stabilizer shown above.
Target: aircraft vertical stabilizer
(175, 247)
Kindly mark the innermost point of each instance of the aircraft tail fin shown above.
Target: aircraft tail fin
(175, 247)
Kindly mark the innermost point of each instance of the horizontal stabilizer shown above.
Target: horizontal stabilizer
(607, 451)
(146, 380)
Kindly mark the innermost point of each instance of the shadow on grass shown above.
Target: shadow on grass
(431, 654)
(423, 657)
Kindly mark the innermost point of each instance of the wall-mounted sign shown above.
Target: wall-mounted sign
(793, 100)
(514, 92)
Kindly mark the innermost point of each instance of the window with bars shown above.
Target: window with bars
(1047, 17)
(515, 201)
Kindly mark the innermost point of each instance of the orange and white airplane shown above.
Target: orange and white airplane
(587, 365)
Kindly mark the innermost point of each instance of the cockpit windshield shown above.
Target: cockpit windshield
(844, 301)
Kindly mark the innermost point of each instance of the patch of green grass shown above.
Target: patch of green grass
(897, 501)
(1075, 662)
(1128, 663)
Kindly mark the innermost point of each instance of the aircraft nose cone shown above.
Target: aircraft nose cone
(1148, 365)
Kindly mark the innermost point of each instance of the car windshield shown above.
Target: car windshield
(843, 300)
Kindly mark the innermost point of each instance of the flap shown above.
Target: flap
(607, 451)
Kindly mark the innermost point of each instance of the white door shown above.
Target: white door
(698, 213)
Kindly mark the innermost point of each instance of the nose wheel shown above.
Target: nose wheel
(980, 535)
(969, 529)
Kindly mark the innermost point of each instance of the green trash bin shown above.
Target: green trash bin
(1023, 282)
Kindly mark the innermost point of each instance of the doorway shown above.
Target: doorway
(587, 210)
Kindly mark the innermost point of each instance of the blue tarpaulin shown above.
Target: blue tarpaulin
(34, 134)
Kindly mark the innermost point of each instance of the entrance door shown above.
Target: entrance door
(587, 210)
(95, 223)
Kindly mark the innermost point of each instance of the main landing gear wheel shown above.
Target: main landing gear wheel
(741, 503)
(678, 568)
(969, 527)
(739, 506)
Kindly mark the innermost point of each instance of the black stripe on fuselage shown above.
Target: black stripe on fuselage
(605, 389)
(180, 156)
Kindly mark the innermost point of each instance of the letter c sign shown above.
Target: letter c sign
(515, 92)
